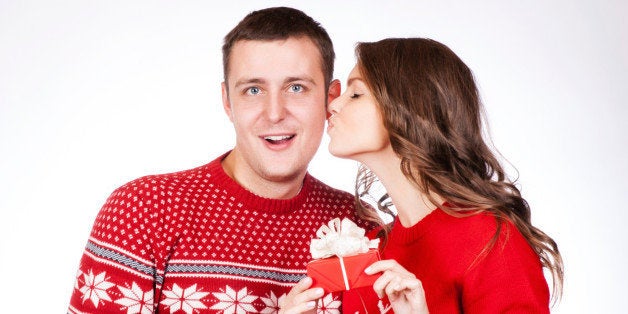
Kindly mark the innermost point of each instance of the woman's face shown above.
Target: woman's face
(355, 127)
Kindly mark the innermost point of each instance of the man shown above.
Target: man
(232, 235)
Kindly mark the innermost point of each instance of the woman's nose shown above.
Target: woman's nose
(333, 107)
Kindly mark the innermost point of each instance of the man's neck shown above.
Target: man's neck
(284, 188)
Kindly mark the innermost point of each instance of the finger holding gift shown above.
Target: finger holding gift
(386, 265)
(390, 279)
(301, 299)
(404, 291)
(406, 295)
(398, 286)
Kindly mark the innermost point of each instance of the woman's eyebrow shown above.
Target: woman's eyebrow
(355, 78)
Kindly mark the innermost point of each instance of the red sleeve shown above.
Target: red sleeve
(117, 272)
(509, 279)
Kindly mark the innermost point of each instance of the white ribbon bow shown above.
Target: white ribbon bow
(340, 238)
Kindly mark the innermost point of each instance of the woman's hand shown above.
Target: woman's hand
(403, 289)
(301, 299)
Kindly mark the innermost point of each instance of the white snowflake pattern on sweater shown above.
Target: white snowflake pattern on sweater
(272, 303)
(135, 300)
(190, 299)
(231, 301)
(187, 300)
(95, 288)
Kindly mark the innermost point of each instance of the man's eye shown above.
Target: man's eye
(253, 90)
(296, 88)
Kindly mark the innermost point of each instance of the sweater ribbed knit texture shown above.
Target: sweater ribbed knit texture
(197, 242)
(442, 251)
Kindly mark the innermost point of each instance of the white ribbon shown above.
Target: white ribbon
(340, 238)
(344, 272)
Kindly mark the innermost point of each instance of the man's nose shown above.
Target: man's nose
(276, 108)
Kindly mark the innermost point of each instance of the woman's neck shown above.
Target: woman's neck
(411, 204)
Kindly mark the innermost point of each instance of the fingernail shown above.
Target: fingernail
(311, 304)
(319, 291)
(368, 270)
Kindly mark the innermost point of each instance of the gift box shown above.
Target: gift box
(341, 252)
(343, 273)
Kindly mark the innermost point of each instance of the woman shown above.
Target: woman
(461, 240)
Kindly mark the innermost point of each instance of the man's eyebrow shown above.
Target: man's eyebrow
(245, 81)
(300, 78)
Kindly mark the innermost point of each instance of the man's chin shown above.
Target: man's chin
(283, 175)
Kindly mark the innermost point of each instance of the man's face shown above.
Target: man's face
(276, 102)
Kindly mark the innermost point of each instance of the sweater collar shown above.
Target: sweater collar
(401, 235)
(245, 198)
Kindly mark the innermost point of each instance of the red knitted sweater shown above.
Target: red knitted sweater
(197, 242)
(442, 251)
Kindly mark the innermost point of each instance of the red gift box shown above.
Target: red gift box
(337, 274)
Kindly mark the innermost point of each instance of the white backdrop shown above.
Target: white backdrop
(96, 93)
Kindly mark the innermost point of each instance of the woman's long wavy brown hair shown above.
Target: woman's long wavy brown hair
(432, 110)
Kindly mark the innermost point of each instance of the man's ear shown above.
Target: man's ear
(334, 91)
(226, 104)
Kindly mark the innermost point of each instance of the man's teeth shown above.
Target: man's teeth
(277, 137)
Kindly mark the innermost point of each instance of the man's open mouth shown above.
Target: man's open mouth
(278, 139)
